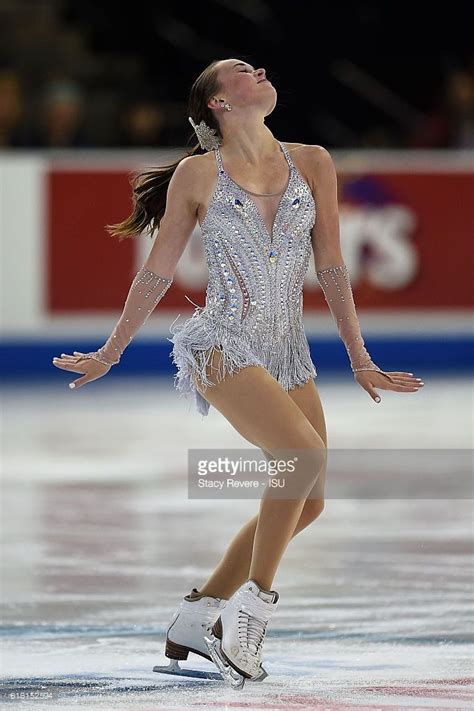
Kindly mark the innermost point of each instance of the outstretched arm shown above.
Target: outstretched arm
(155, 277)
(147, 289)
(330, 268)
(334, 278)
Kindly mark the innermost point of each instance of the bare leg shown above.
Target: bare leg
(234, 568)
(298, 420)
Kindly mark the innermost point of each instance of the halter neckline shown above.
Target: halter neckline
(223, 170)
(291, 175)
(264, 194)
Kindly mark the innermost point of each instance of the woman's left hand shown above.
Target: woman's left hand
(395, 380)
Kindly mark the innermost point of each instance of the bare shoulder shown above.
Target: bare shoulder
(313, 161)
(197, 165)
(200, 166)
(192, 173)
(310, 153)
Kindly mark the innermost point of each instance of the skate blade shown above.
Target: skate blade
(262, 676)
(228, 673)
(174, 668)
(215, 641)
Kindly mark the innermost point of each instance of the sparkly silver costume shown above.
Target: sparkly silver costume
(254, 299)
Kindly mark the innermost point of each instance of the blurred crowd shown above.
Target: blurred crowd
(62, 117)
(63, 94)
(450, 123)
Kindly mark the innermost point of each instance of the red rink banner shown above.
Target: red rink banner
(406, 239)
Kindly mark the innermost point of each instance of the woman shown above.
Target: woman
(245, 352)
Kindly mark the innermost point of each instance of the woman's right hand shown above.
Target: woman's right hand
(91, 368)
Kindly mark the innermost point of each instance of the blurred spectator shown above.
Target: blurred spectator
(452, 124)
(115, 62)
(12, 127)
(142, 123)
(60, 123)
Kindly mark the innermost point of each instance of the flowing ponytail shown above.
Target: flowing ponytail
(150, 186)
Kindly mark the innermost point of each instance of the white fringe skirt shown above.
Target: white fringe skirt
(285, 354)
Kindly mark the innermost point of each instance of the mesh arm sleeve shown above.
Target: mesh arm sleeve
(146, 291)
(337, 290)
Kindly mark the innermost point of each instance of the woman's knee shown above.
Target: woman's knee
(304, 471)
(312, 509)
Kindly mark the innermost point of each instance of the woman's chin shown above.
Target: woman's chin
(271, 109)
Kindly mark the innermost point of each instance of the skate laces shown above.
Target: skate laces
(251, 630)
(253, 616)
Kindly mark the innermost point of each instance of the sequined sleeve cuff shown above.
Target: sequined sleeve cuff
(337, 290)
(146, 291)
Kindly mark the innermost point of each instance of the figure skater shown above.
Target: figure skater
(263, 206)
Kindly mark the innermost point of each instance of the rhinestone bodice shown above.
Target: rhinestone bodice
(256, 275)
(254, 297)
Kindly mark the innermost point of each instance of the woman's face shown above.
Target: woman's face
(243, 86)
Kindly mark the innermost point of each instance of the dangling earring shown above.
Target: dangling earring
(227, 107)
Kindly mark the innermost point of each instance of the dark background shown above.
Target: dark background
(361, 74)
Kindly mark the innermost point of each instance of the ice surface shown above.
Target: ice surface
(100, 542)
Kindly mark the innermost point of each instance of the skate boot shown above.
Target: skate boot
(237, 637)
(190, 623)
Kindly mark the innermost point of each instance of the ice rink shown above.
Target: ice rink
(101, 541)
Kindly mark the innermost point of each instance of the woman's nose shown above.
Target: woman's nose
(261, 74)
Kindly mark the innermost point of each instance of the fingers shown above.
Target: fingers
(402, 377)
(396, 388)
(373, 393)
(397, 381)
(74, 368)
(64, 364)
(388, 376)
(80, 382)
(72, 358)
(89, 368)
(401, 382)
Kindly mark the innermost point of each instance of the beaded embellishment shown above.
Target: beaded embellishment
(336, 285)
(138, 307)
(272, 252)
(254, 298)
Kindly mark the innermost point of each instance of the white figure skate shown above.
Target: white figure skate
(236, 640)
(190, 623)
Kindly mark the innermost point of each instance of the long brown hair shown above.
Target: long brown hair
(150, 186)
